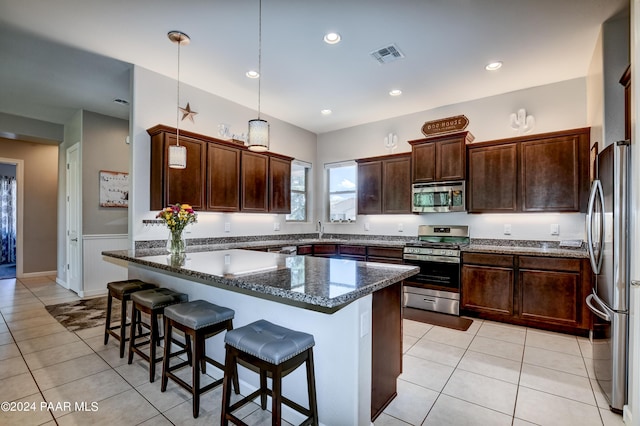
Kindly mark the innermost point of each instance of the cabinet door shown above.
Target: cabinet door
(493, 179)
(396, 186)
(424, 162)
(254, 182)
(551, 297)
(279, 185)
(487, 289)
(550, 175)
(185, 186)
(450, 159)
(223, 178)
(370, 187)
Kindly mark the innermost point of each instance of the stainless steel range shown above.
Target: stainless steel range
(437, 253)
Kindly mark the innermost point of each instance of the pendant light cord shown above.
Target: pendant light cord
(259, 53)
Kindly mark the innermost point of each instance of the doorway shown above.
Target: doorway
(10, 218)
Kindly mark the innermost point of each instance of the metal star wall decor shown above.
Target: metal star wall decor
(187, 112)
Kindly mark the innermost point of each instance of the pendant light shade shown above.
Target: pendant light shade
(177, 153)
(258, 139)
(258, 135)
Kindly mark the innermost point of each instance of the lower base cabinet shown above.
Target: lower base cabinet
(537, 291)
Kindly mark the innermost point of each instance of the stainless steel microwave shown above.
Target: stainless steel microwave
(439, 197)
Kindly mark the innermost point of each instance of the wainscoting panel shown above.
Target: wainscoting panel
(97, 269)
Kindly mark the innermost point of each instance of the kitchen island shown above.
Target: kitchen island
(353, 310)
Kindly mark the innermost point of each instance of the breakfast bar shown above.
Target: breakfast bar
(352, 308)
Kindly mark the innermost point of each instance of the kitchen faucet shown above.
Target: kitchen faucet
(319, 230)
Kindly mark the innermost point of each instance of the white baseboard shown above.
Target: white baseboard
(61, 282)
(626, 415)
(38, 274)
(93, 293)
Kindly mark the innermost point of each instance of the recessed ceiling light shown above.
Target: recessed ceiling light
(326, 112)
(252, 74)
(332, 38)
(395, 92)
(492, 66)
(121, 101)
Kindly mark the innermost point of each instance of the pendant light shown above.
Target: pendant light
(178, 153)
(258, 128)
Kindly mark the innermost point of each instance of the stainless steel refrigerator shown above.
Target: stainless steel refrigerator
(608, 243)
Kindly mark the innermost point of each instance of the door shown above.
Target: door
(74, 243)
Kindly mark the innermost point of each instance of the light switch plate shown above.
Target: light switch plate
(227, 227)
(507, 229)
(276, 226)
(367, 227)
(555, 229)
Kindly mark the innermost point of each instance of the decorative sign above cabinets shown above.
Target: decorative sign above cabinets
(445, 125)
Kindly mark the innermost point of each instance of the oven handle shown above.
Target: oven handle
(429, 258)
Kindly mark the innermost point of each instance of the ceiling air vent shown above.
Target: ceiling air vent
(387, 54)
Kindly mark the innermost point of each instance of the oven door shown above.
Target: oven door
(440, 274)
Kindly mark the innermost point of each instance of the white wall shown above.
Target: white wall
(556, 107)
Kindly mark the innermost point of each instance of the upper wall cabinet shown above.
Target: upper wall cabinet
(539, 173)
(171, 186)
(220, 176)
(384, 184)
(440, 158)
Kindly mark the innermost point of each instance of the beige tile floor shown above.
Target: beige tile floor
(492, 374)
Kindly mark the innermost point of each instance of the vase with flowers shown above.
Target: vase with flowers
(177, 217)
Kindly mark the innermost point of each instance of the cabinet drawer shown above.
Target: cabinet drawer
(354, 250)
(549, 263)
(488, 259)
(325, 249)
(393, 252)
(302, 250)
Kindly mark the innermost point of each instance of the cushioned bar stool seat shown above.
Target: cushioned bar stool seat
(153, 302)
(199, 320)
(275, 351)
(121, 290)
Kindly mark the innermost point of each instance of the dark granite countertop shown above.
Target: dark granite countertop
(314, 283)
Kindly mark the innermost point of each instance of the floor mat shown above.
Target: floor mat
(435, 318)
(83, 314)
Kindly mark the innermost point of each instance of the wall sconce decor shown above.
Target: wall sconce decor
(522, 122)
(391, 142)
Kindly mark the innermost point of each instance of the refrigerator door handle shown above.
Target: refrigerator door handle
(598, 312)
(595, 258)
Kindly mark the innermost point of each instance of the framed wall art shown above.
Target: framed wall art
(114, 189)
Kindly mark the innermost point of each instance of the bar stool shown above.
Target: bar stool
(153, 302)
(277, 351)
(199, 320)
(121, 290)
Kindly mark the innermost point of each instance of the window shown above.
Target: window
(299, 172)
(342, 191)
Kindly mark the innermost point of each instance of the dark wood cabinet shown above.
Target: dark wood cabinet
(488, 283)
(384, 184)
(220, 176)
(536, 291)
(384, 254)
(550, 173)
(254, 182)
(440, 158)
(170, 186)
(353, 252)
(325, 250)
(279, 185)
(538, 173)
(493, 179)
(223, 178)
(553, 290)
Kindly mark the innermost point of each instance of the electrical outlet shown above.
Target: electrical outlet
(367, 227)
(555, 229)
(276, 226)
(400, 227)
(507, 229)
(227, 227)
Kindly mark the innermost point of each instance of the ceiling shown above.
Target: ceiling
(63, 55)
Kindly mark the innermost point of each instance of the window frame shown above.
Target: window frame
(307, 168)
(328, 193)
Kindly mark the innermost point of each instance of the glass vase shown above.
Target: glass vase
(176, 243)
